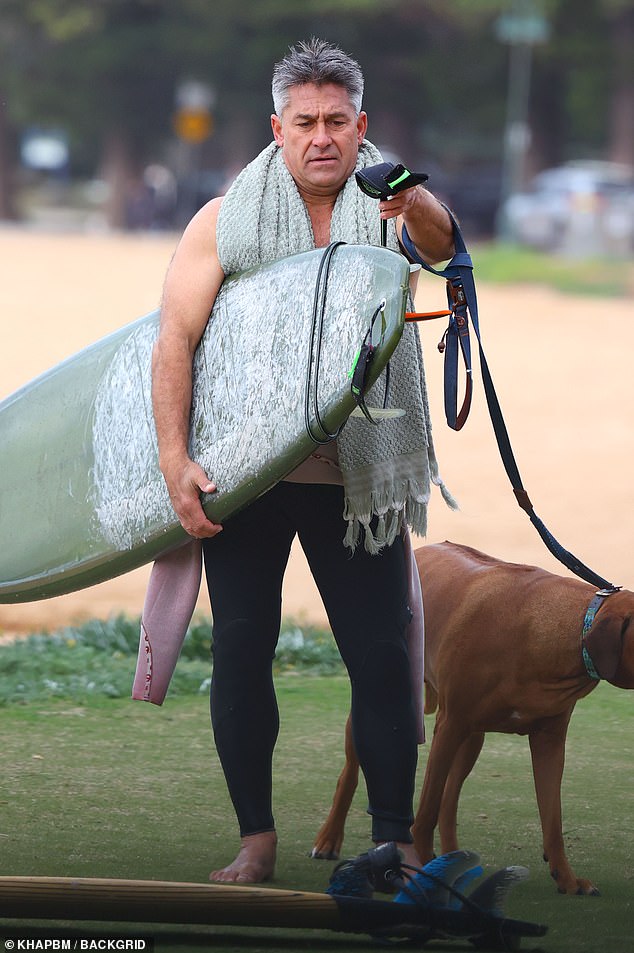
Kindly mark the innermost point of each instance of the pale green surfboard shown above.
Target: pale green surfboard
(81, 495)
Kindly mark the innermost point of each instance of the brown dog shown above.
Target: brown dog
(503, 653)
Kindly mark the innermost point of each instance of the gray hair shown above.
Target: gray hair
(316, 62)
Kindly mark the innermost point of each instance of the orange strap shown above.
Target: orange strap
(425, 315)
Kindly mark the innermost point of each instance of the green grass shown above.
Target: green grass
(503, 263)
(96, 659)
(112, 788)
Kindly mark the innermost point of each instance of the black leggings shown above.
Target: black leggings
(366, 601)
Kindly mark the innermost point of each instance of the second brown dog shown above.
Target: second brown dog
(503, 652)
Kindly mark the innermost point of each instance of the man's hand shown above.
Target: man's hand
(185, 485)
(398, 204)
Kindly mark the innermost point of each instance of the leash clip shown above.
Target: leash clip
(457, 294)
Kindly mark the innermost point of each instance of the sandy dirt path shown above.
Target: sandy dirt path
(561, 365)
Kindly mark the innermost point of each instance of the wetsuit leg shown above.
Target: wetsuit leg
(366, 600)
(244, 566)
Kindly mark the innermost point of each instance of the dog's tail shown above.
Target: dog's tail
(431, 699)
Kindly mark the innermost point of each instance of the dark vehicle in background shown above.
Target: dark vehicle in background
(472, 193)
(474, 196)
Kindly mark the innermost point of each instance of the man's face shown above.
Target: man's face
(319, 133)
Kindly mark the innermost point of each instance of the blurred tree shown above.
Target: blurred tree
(437, 77)
(106, 71)
(12, 31)
(7, 189)
(621, 114)
(583, 92)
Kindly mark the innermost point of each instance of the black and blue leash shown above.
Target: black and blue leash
(462, 299)
(318, 432)
(382, 181)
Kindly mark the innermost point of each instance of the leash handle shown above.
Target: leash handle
(463, 301)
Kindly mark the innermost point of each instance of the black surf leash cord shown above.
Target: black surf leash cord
(314, 352)
(361, 365)
(353, 877)
(462, 299)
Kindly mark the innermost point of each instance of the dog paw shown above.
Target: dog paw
(585, 888)
(318, 854)
(576, 887)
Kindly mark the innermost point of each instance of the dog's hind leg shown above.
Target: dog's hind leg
(547, 743)
(466, 757)
(330, 837)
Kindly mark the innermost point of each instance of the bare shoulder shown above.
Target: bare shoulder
(209, 212)
(194, 275)
(197, 245)
(202, 227)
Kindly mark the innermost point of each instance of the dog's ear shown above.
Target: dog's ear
(604, 643)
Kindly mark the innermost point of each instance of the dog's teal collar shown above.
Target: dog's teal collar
(591, 611)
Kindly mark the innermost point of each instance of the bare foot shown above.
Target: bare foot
(255, 862)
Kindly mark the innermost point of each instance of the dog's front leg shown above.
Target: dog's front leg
(463, 763)
(547, 743)
(447, 739)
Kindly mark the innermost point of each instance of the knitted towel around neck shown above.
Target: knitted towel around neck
(387, 468)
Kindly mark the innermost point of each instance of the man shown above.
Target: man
(300, 193)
